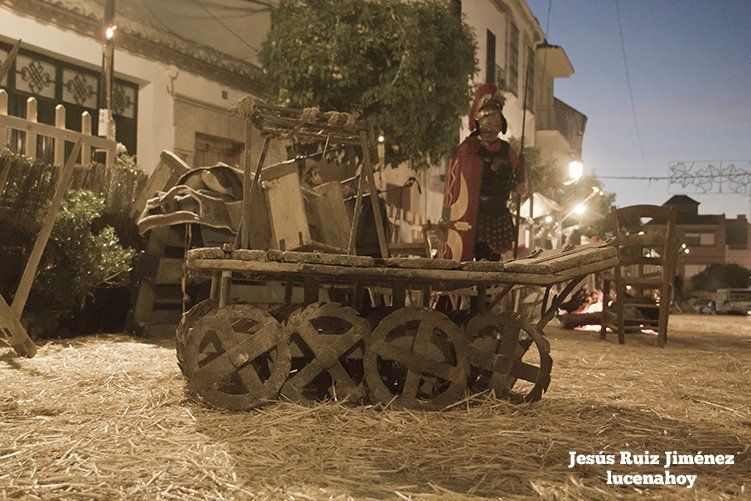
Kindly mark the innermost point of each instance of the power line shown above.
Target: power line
(230, 30)
(628, 83)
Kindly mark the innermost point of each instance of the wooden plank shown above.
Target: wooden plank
(286, 210)
(352, 246)
(646, 240)
(169, 271)
(166, 173)
(564, 261)
(30, 144)
(42, 129)
(374, 200)
(5, 67)
(331, 214)
(14, 333)
(374, 273)
(59, 143)
(24, 287)
(4, 141)
(86, 131)
(247, 180)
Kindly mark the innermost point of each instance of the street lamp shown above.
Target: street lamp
(382, 150)
(575, 171)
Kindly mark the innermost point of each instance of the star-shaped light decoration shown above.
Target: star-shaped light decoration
(737, 178)
(680, 173)
(706, 179)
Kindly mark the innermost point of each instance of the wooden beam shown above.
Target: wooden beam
(5, 68)
(24, 287)
(374, 201)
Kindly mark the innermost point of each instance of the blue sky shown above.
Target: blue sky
(689, 64)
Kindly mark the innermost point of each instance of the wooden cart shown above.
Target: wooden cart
(335, 341)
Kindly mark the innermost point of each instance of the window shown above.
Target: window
(530, 83)
(490, 58)
(513, 58)
(700, 239)
(54, 82)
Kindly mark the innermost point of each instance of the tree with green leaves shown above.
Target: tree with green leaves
(404, 66)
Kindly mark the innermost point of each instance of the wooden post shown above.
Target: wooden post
(374, 201)
(30, 149)
(24, 287)
(86, 131)
(5, 67)
(224, 288)
(352, 247)
(250, 192)
(59, 141)
(110, 155)
(4, 138)
(216, 277)
(247, 164)
(3, 111)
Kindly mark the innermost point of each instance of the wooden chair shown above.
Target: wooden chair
(643, 278)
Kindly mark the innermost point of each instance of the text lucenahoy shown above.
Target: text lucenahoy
(666, 460)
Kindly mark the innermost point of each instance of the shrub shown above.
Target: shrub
(78, 259)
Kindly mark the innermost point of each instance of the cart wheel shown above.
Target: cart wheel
(417, 358)
(236, 356)
(328, 341)
(186, 324)
(499, 356)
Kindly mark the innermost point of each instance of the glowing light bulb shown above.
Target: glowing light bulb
(575, 170)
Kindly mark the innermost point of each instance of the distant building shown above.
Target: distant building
(710, 238)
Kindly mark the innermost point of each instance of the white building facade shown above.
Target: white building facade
(169, 94)
(513, 54)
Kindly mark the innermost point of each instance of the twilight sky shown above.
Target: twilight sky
(689, 64)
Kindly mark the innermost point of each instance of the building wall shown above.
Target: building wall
(480, 15)
(700, 256)
(157, 129)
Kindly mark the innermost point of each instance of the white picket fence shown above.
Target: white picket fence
(60, 135)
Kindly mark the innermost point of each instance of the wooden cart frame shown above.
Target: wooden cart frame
(413, 352)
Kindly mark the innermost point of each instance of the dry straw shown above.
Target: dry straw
(107, 417)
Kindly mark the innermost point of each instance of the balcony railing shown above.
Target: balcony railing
(564, 119)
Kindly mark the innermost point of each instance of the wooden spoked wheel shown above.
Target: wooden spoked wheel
(235, 357)
(183, 329)
(327, 341)
(500, 358)
(416, 358)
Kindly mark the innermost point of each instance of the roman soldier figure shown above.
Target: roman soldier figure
(479, 180)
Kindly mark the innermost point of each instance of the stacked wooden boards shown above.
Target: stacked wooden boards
(546, 268)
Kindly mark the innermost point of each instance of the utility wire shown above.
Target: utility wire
(218, 20)
(628, 83)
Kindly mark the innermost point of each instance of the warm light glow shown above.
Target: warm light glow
(686, 251)
(596, 190)
(110, 32)
(381, 138)
(548, 219)
(683, 246)
(641, 233)
(575, 170)
(580, 209)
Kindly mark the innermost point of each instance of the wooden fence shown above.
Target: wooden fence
(60, 135)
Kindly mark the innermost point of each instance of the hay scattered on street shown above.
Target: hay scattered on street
(107, 417)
